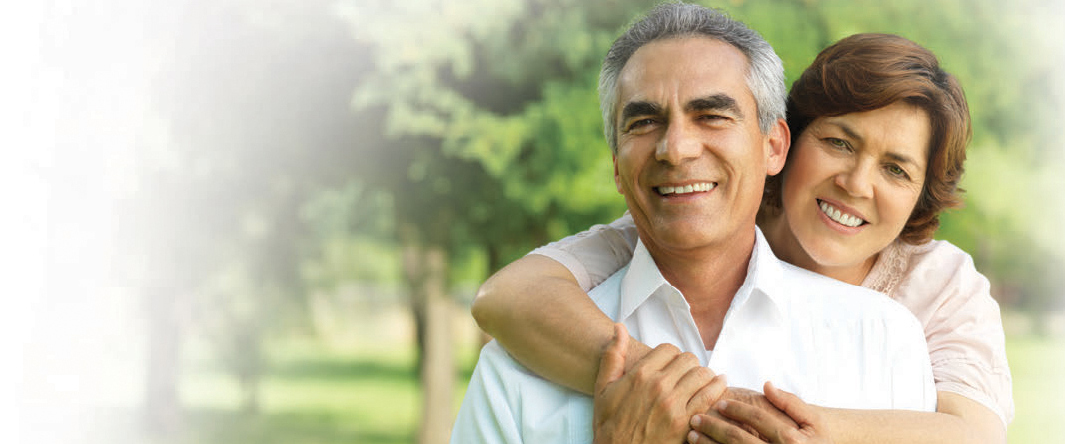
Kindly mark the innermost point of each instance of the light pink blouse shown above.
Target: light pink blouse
(936, 281)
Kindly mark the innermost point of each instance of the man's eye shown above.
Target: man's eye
(637, 124)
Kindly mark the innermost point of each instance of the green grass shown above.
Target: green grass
(321, 396)
(312, 395)
(1038, 369)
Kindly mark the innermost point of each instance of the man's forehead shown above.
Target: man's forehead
(692, 66)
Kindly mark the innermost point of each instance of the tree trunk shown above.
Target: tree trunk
(438, 369)
(414, 273)
(426, 270)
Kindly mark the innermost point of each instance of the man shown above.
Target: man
(693, 109)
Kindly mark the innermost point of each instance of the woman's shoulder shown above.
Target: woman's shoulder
(937, 275)
(933, 266)
(937, 258)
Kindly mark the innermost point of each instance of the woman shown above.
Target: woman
(878, 146)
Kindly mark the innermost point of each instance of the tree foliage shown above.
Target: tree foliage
(303, 143)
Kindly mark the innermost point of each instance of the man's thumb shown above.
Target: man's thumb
(612, 363)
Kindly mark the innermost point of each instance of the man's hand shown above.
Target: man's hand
(749, 417)
(656, 399)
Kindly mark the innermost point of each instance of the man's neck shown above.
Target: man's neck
(708, 277)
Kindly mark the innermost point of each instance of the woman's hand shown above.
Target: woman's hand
(745, 422)
(655, 400)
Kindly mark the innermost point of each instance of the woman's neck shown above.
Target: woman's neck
(786, 247)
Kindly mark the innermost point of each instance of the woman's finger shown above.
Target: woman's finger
(713, 429)
(796, 408)
(754, 418)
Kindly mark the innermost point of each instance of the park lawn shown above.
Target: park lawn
(1038, 369)
(313, 394)
(321, 396)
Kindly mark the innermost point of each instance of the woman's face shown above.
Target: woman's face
(852, 182)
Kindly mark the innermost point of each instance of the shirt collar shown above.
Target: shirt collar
(643, 279)
(765, 273)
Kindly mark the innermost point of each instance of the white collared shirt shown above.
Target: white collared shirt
(830, 343)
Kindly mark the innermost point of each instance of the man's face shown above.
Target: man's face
(691, 160)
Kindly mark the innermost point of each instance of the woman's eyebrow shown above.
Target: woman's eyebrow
(850, 132)
(901, 158)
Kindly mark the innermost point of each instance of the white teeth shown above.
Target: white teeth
(698, 187)
(838, 216)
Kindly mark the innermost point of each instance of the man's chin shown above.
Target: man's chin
(683, 236)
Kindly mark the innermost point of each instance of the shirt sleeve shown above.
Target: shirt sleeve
(506, 403)
(963, 327)
(487, 415)
(595, 254)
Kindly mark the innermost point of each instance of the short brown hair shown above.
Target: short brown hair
(865, 72)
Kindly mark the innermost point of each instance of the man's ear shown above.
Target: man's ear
(777, 144)
(617, 177)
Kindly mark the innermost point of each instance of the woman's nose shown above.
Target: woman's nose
(857, 180)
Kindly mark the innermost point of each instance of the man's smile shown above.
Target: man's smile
(699, 187)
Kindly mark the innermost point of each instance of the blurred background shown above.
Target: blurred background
(236, 221)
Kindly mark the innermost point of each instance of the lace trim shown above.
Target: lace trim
(889, 269)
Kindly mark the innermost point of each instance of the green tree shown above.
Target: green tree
(493, 140)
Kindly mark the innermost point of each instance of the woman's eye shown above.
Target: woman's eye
(838, 143)
(897, 171)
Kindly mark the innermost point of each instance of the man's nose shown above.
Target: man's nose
(857, 178)
(680, 143)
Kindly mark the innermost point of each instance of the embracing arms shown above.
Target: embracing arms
(537, 310)
(537, 295)
(957, 420)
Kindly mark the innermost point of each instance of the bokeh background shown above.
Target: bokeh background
(237, 221)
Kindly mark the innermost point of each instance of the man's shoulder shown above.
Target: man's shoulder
(506, 402)
(496, 363)
(607, 295)
(840, 298)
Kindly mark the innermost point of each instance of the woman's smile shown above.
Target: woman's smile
(851, 184)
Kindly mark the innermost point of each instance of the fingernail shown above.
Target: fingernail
(720, 405)
(696, 420)
(693, 437)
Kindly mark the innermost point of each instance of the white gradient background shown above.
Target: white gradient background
(71, 330)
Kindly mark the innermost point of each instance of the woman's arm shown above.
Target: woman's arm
(536, 310)
(957, 420)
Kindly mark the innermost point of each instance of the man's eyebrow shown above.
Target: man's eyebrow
(640, 108)
(716, 102)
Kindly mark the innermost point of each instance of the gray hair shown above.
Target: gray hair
(765, 72)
